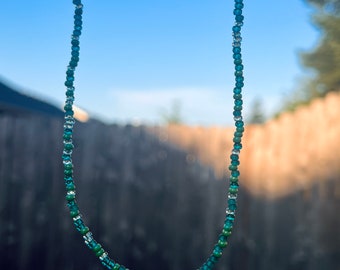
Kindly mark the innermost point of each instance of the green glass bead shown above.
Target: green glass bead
(233, 179)
(100, 252)
(74, 213)
(68, 172)
(222, 241)
(97, 247)
(232, 167)
(68, 146)
(233, 190)
(70, 197)
(240, 129)
(84, 230)
(116, 267)
(68, 166)
(70, 187)
(226, 232)
(217, 252)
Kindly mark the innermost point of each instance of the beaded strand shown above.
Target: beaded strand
(234, 157)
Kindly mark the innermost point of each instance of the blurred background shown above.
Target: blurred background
(154, 133)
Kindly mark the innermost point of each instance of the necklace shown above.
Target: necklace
(234, 157)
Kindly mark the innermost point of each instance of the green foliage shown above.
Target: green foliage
(324, 60)
(174, 115)
(256, 115)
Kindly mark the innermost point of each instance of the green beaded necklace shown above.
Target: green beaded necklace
(234, 157)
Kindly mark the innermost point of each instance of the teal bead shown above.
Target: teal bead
(78, 17)
(237, 56)
(75, 48)
(78, 22)
(238, 102)
(236, 29)
(238, 146)
(236, 50)
(238, 74)
(234, 157)
(235, 173)
(76, 33)
(237, 139)
(68, 83)
(237, 96)
(232, 204)
(239, 6)
(75, 53)
(239, 18)
(240, 129)
(237, 11)
(237, 61)
(76, 2)
(237, 90)
(238, 134)
(237, 113)
(78, 11)
(235, 162)
(68, 146)
(239, 67)
(239, 123)
(239, 84)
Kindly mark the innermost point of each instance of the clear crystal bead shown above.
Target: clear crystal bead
(75, 37)
(88, 237)
(67, 152)
(68, 126)
(103, 256)
(67, 162)
(79, 6)
(71, 192)
(238, 23)
(236, 44)
(238, 118)
(235, 152)
(229, 212)
(232, 196)
(77, 217)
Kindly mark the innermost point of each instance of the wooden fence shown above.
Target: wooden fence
(156, 202)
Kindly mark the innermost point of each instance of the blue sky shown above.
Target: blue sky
(138, 56)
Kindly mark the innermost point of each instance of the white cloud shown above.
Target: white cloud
(199, 106)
